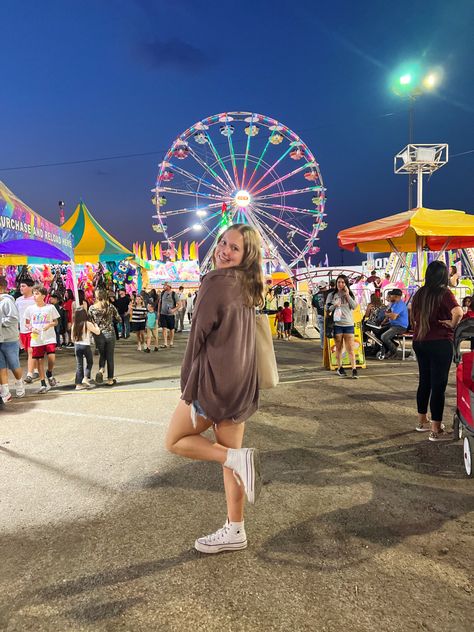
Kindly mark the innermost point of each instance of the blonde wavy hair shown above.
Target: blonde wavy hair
(250, 270)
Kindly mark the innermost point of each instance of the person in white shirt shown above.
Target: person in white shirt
(181, 305)
(9, 344)
(41, 320)
(190, 307)
(23, 302)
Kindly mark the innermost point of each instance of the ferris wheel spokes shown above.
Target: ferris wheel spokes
(220, 161)
(281, 179)
(270, 169)
(232, 156)
(195, 178)
(189, 193)
(247, 149)
(259, 162)
(273, 234)
(197, 209)
(292, 209)
(208, 168)
(283, 222)
(293, 192)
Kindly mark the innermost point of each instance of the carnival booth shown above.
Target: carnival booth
(99, 254)
(26, 237)
(163, 262)
(92, 243)
(417, 231)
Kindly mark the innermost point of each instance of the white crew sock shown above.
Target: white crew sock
(230, 460)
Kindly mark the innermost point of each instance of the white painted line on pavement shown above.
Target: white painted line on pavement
(101, 417)
(330, 377)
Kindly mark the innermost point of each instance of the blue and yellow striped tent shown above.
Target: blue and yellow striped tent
(91, 242)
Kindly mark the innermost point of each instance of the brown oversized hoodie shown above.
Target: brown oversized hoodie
(219, 368)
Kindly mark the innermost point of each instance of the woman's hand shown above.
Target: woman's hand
(448, 324)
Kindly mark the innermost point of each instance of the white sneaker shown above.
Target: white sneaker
(228, 538)
(44, 389)
(139, 347)
(20, 388)
(81, 387)
(6, 397)
(35, 375)
(245, 463)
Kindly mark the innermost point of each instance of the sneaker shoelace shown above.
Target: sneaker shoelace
(220, 534)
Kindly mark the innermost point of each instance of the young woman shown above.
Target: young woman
(453, 276)
(219, 379)
(341, 303)
(82, 302)
(435, 314)
(138, 320)
(81, 331)
(103, 314)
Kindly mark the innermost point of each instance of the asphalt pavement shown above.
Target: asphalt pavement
(362, 523)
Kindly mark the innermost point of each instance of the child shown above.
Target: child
(138, 320)
(41, 319)
(61, 327)
(280, 326)
(287, 319)
(81, 334)
(151, 328)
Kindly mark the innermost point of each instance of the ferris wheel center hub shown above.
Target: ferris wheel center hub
(242, 199)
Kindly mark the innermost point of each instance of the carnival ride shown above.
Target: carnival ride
(242, 167)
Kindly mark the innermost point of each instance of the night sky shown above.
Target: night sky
(97, 79)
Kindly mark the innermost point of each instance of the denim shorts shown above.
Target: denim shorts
(343, 329)
(10, 355)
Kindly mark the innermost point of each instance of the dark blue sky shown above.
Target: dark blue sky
(91, 79)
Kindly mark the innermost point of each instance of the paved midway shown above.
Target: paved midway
(362, 524)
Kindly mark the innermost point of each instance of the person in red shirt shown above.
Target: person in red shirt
(287, 319)
(280, 327)
(435, 314)
(67, 307)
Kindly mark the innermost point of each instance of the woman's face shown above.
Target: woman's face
(340, 284)
(230, 250)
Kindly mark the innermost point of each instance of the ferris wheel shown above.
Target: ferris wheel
(241, 167)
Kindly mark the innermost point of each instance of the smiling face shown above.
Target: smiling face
(341, 284)
(230, 250)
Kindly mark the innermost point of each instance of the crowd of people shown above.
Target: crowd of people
(219, 378)
(38, 324)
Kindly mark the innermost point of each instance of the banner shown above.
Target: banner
(185, 273)
(24, 232)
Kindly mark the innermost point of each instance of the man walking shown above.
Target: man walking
(9, 343)
(168, 309)
(181, 306)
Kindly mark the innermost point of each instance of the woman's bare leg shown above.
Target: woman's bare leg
(349, 344)
(183, 439)
(338, 339)
(231, 435)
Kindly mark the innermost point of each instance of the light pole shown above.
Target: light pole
(410, 81)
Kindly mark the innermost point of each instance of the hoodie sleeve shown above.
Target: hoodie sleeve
(352, 302)
(10, 313)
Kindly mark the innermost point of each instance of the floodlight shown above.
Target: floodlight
(425, 154)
